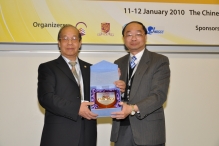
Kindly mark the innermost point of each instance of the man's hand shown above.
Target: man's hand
(126, 110)
(85, 112)
(120, 84)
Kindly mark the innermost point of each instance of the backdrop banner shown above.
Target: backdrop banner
(100, 22)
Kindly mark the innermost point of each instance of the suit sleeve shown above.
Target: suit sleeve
(159, 84)
(48, 98)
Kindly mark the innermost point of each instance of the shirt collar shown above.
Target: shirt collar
(67, 61)
(138, 56)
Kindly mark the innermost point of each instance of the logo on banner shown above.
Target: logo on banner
(152, 30)
(105, 29)
(81, 26)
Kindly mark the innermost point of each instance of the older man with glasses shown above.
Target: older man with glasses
(64, 92)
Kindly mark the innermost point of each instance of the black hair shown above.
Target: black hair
(143, 27)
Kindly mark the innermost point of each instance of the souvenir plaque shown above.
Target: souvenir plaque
(105, 95)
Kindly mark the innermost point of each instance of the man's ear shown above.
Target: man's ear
(146, 36)
(59, 43)
(80, 43)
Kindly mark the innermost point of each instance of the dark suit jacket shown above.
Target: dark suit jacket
(59, 94)
(149, 92)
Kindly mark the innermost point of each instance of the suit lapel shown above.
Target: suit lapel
(124, 68)
(85, 72)
(142, 67)
(61, 63)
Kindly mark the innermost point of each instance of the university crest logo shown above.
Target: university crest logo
(105, 30)
(105, 27)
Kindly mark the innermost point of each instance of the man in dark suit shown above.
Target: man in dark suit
(65, 95)
(147, 75)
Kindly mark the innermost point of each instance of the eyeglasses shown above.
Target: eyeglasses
(66, 39)
(137, 35)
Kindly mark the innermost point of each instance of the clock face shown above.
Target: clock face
(105, 99)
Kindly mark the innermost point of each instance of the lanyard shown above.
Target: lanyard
(129, 79)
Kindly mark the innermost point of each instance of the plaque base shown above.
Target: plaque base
(105, 101)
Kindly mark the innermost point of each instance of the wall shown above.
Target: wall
(192, 111)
